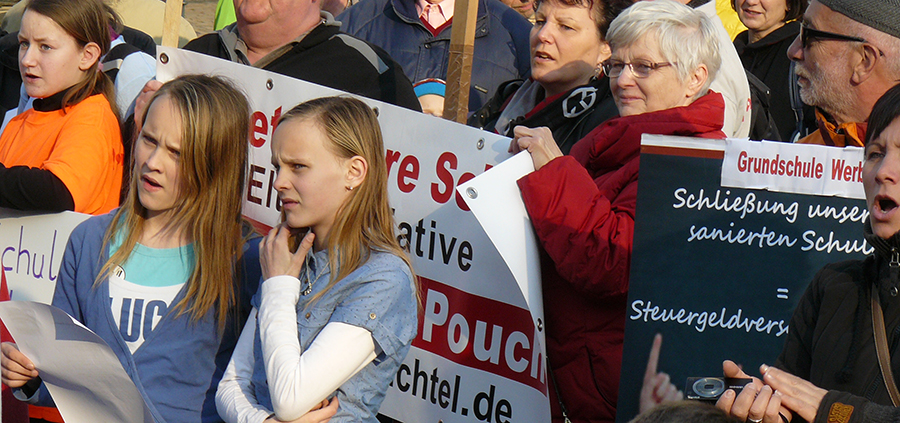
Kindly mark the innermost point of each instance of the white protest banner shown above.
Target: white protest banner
(478, 355)
(784, 167)
(31, 250)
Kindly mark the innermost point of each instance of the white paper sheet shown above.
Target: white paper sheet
(497, 203)
(83, 375)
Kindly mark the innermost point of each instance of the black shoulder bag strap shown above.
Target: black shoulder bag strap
(562, 407)
(881, 347)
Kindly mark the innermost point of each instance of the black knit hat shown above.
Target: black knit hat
(883, 15)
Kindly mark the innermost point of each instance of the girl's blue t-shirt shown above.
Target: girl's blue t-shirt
(143, 289)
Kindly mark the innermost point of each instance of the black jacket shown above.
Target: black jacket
(831, 341)
(767, 59)
(570, 116)
(328, 57)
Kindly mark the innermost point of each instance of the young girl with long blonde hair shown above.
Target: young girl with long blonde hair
(160, 280)
(336, 317)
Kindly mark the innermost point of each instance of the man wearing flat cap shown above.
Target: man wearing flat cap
(847, 55)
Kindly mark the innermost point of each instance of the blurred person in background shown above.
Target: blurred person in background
(772, 26)
(416, 33)
(525, 7)
(845, 60)
(66, 153)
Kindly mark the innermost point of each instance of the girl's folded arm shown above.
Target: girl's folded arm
(235, 400)
(299, 380)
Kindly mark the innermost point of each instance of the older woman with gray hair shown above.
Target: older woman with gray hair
(664, 55)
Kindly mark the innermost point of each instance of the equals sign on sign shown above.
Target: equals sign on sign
(781, 293)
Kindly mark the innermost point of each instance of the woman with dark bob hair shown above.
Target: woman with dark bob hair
(567, 91)
(829, 368)
(771, 27)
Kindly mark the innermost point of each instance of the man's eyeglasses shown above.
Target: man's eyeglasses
(639, 68)
(807, 35)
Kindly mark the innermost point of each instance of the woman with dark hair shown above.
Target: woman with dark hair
(771, 27)
(830, 359)
(567, 91)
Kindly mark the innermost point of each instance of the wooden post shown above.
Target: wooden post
(171, 23)
(459, 68)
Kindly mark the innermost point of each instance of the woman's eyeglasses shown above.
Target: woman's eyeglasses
(808, 35)
(639, 68)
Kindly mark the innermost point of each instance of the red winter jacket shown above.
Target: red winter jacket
(582, 208)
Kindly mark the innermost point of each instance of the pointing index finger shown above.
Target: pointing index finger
(653, 360)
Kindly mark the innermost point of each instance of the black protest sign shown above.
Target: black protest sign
(718, 271)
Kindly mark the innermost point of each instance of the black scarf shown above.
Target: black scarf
(560, 114)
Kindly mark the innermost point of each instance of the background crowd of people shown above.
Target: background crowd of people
(311, 321)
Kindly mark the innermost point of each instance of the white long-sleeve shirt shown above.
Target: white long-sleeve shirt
(297, 379)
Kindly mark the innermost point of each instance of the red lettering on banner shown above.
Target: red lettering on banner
(256, 189)
(407, 174)
(391, 157)
(481, 333)
(260, 127)
(465, 177)
(446, 162)
(263, 128)
(254, 183)
(797, 168)
(441, 193)
(742, 161)
(409, 169)
(843, 171)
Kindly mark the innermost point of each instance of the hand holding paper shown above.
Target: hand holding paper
(17, 369)
(538, 141)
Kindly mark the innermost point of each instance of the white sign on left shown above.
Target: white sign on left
(31, 251)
